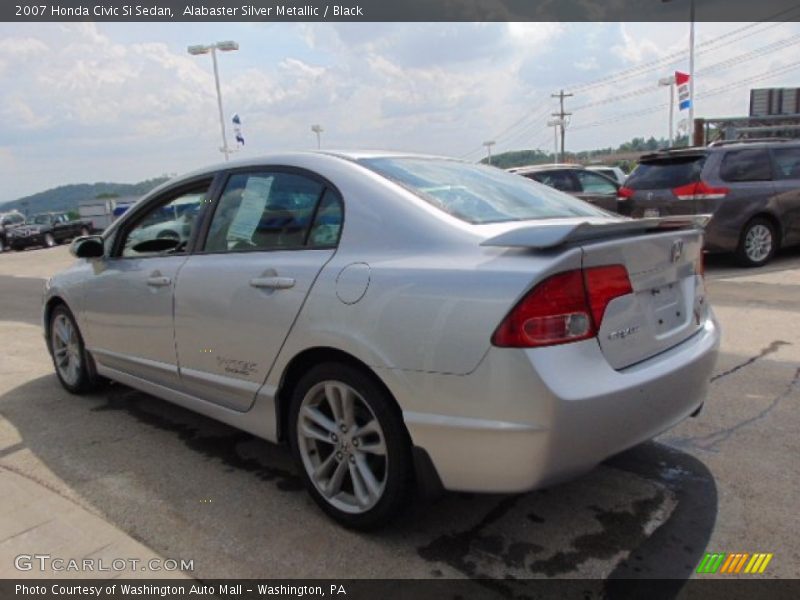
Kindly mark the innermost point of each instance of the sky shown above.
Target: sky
(123, 102)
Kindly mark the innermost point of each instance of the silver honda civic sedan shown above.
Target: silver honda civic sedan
(397, 319)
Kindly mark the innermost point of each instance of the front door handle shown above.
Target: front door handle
(158, 281)
(273, 283)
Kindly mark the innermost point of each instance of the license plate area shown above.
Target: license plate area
(651, 212)
(669, 308)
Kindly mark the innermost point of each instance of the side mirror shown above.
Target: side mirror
(90, 246)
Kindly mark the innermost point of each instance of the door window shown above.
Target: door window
(560, 180)
(787, 163)
(167, 227)
(746, 165)
(592, 183)
(274, 211)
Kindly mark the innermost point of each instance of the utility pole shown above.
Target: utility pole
(562, 116)
(318, 130)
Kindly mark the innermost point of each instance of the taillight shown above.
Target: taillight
(700, 191)
(603, 284)
(625, 193)
(566, 307)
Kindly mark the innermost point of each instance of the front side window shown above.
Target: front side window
(477, 193)
(592, 183)
(746, 165)
(42, 219)
(167, 227)
(272, 211)
(787, 163)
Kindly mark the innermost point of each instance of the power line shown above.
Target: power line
(736, 60)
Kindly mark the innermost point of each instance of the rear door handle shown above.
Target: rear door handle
(273, 283)
(158, 281)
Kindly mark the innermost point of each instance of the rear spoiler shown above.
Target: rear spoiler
(546, 236)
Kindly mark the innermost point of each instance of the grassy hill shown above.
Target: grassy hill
(67, 197)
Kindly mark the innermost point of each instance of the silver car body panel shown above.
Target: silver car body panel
(411, 293)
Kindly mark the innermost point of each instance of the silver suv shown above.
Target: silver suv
(752, 189)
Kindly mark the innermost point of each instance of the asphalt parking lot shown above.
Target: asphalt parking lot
(181, 485)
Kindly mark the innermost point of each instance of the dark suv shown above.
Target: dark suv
(752, 189)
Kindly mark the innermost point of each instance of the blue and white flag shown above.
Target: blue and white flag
(684, 96)
(237, 129)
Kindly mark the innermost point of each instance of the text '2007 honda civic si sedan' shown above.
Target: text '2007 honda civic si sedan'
(396, 319)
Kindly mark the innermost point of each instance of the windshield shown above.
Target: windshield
(477, 193)
(666, 173)
(42, 219)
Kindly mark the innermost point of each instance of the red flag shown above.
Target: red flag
(681, 78)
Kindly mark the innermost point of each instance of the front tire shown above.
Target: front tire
(758, 243)
(71, 360)
(351, 446)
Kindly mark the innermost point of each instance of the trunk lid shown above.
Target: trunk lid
(663, 258)
(668, 303)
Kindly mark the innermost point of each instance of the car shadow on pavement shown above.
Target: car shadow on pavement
(647, 513)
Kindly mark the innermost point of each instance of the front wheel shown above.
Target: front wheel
(69, 354)
(348, 438)
(757, 244)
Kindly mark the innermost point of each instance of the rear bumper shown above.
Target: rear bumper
(528, 418)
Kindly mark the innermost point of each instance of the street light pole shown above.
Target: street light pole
(227, 46)
(318, 130)
(691, 72)
(489, 145)
(555, 124)
(691, 68)
(225, 149)
(670, 82)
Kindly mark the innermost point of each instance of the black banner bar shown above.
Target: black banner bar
(398, 10)
(730, 588)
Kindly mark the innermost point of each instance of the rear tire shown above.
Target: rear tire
(351, 445)
(49, 240)
(84, 232)
(758, 243)
(73, 364)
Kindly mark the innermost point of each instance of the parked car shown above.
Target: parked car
(48, 229)
(752, 189)
(8, 221)
(575, 180)
(397, 320)
(614, 173)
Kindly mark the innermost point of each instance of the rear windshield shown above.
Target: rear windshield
(479, 194)
(666, 173)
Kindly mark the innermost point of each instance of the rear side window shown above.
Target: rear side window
(477, 193)
(751, 164)
(273, 210)
(666, 173)
(593, 183)
(787, 163)
(560, 180)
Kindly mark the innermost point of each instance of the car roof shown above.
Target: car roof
(539, 168)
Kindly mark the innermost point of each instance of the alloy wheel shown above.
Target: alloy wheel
(758, 243)
(66, 349)
(342, 446)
